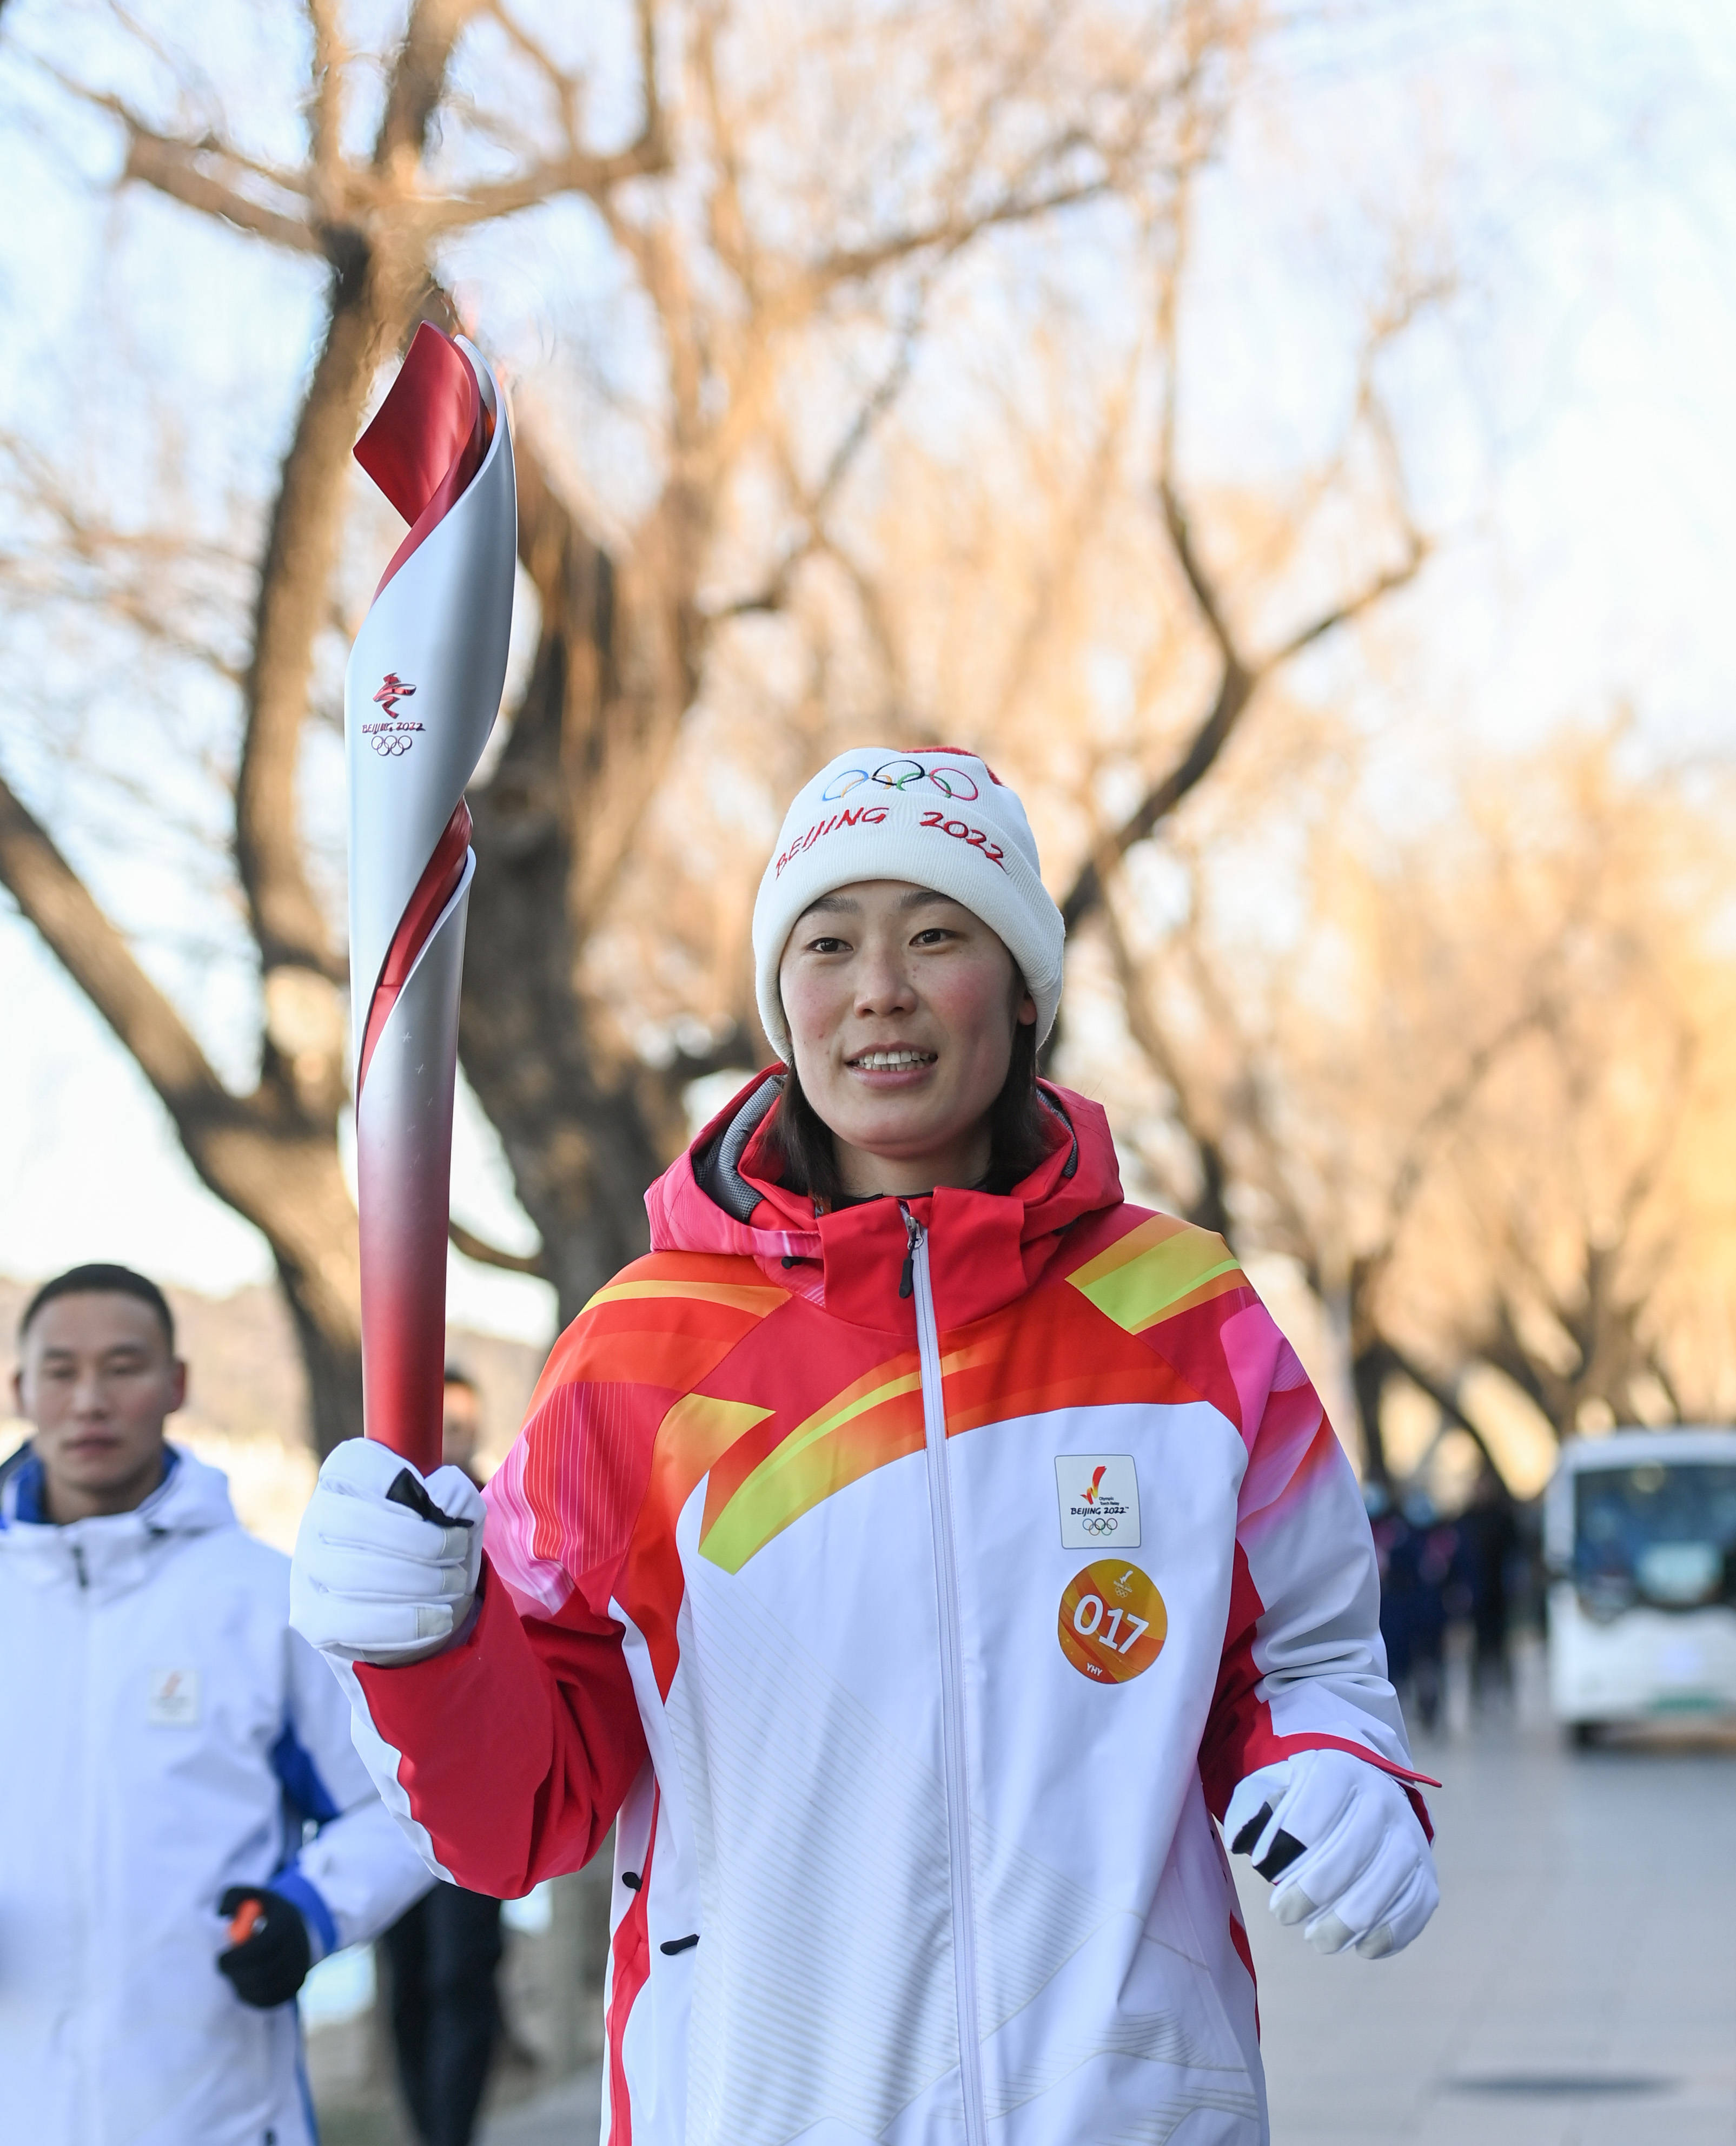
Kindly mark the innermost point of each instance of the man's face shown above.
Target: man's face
(460, 1426)
(97, 1380)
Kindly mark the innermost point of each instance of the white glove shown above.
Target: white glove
(373, 1580)
(1339, 1838)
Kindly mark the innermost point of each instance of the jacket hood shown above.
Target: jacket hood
(191, 1500)
(987, 1247)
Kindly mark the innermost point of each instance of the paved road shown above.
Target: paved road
(572, 2115)
(1576, 1987)
(1578, 1984)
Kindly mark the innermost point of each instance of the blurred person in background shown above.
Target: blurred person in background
(1416, 1554)
(1488, 1540)
(185, 1827)
(917, 1550)
(445, 1952)
(1422, 1565)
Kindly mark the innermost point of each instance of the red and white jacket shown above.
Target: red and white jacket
(909, 1584)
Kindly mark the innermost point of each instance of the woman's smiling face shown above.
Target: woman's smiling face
(901, 1006)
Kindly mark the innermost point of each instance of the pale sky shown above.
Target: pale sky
(1573, 442)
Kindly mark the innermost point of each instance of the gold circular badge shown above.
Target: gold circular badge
(1113, 1623)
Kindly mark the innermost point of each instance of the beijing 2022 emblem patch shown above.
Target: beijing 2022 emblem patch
(1099, 1500)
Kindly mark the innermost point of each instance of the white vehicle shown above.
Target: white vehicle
(1639, 1534)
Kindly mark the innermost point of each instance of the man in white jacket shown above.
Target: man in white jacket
(184, 1825)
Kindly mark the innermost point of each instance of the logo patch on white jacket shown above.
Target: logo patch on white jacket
(174, 1702)
(1099, 1500)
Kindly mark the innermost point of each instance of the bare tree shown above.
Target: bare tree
(272, 1155)
(1242, 668)
(1492, 1140)
(750, 279)
(1585, 1219)
(774, 214)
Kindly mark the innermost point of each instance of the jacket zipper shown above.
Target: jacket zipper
(89, 2119)
(952, 1678)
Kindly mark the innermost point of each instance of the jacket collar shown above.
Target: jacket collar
(985, 1249)
(108, 1553)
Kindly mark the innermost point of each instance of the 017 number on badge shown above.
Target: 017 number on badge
(1112, 1624)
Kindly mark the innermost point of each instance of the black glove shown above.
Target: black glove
(270, 1963)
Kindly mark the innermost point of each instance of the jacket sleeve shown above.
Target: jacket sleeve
(508, 1754)
(1303, 1665)
(506, 1757)
(358, 1872)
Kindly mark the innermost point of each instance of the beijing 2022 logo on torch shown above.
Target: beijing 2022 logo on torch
(394, 735)
(1099, 1500)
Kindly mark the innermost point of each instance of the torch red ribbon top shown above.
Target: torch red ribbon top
(427, 439)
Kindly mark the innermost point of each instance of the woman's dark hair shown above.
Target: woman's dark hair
(800, 1141)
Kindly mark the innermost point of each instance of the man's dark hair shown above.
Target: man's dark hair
(801, 1140)
(456, 1375)
(99, 1279)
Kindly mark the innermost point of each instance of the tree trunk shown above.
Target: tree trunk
(581, 1146)
(332, 1356)
(295, 581)
(258, 1153)
(287, 1181)
(1370, 1368)
(585, 1126)
(580, 1150)
(309, 1220)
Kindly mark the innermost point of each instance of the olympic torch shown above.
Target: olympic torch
(421, 695)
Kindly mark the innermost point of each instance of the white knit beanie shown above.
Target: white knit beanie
(937, 818)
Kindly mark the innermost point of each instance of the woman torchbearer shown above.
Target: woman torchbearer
(912, 1555)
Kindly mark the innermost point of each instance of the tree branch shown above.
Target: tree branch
(1208, 1210)
(1507, 1353)
(287, 919)
(1383, 585)
(579, 172)
(727, 219)
(127, 588)
(54, 899)
(374, 290)
(562, 84)
(1440, 1394)
(325, 97)
(1235, 689)
(182, 171)
(736, 1046)
(775, 592)
(948, 234)
(1240, 678)
(478, 1249)
(651, 129)
(271, 1165)
(418, 79)
(373, 297)
(1243, 673)
(1407, 1177)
